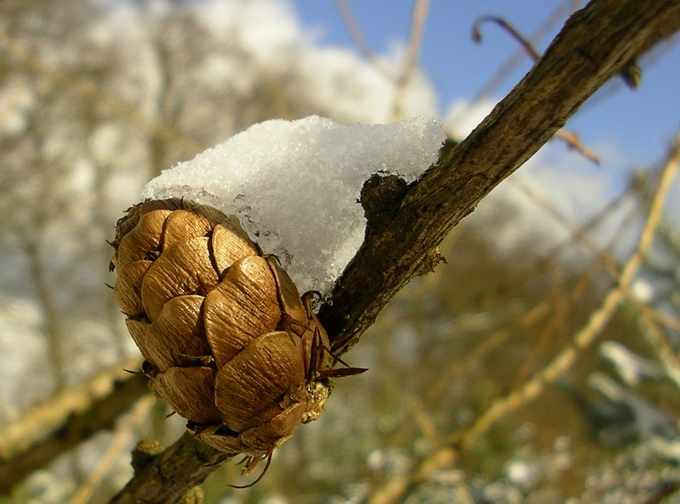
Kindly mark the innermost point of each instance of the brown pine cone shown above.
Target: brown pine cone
(228, 342)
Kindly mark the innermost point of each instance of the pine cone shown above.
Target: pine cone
(226, 338)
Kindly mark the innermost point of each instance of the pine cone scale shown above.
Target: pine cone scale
(181, 225)
(141, 239)
(128, 287)
(229, 243)
(242, 307)
(289, 297)
(245, 390)
(190, 392)
(228, 342)
(184, 268)
(164, 341)
(258, 438)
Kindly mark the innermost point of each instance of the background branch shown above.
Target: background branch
(64, 421)
(407, 223)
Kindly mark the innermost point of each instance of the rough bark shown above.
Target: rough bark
(407, 223)
(401, 241)
(166, 477)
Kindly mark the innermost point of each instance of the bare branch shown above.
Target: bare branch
(570, 138)
(407, 223)
(460, 441)
(588, 334)
(403, 235)
(65, 421)
(354, 30)
(167, 476)
(419, 17)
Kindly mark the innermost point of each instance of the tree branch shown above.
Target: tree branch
(407, 223)
(65, 421)
(166, 476)
(401, 241)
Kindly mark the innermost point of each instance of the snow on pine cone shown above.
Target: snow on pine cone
(227, 340)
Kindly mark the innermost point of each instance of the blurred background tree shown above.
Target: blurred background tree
(97, 97)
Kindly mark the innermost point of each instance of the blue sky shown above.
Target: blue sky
(639, 124)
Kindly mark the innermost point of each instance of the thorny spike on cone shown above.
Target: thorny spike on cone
(227, 340)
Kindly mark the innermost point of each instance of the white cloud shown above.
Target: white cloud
(464, 116)
(332, 78)
(264, 28)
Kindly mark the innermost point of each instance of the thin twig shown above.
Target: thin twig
(655, 315)
(571, 138)
(415, 39)
(446, 455)
(354, 30)
(577, 233)
(587, 335)
(649, 315)
(526, 45)
(556, 16)
(664, 353)
(116, 446)
(424, 422)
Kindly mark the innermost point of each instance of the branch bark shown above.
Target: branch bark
(401, 240)
(407, 223)
(166, 476)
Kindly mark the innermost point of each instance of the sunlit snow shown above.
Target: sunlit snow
(295, 185)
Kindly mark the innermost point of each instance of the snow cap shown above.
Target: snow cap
(295, 185)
